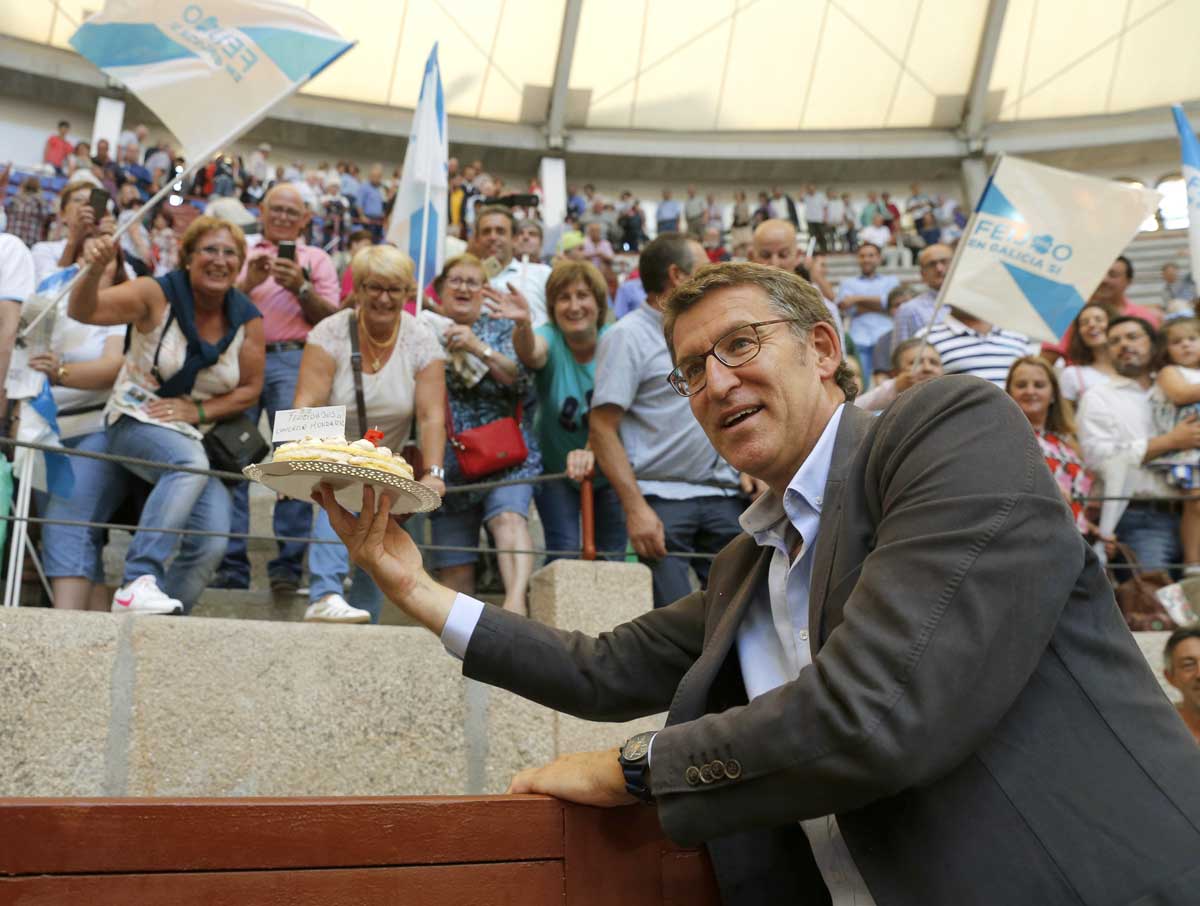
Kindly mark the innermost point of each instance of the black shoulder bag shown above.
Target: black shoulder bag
(231, 444)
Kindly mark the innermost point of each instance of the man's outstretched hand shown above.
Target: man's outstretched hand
(589, 778)
(377, 543)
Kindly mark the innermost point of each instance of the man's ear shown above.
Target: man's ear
(828, 347)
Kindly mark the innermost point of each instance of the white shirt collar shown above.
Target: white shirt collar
(763, 518)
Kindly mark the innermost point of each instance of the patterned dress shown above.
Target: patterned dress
(486, 402)
(1067, 468)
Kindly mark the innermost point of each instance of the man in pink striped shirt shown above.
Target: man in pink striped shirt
(292, 295)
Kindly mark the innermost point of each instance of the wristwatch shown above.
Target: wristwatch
(436, 472)
(635, 765)
(488, 352)
(305, 287)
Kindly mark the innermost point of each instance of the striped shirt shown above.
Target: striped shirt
(988, 356)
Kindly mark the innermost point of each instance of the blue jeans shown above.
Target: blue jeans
(698, 525)
(292, 518)
(1153, 535)
(558, 505)
(328, 565)
(179, 500)
(69, 550)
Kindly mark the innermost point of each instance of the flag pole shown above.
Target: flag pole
(962, 241)
(121, 231)
(424, 244)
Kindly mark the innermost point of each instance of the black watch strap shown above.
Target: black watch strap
(635, 765)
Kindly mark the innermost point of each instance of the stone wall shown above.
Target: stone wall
(101, 705)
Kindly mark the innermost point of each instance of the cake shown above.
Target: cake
(365, 453)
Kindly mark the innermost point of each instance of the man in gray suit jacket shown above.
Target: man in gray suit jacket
(908, 677)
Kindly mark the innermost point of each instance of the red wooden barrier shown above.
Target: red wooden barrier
(449, 851)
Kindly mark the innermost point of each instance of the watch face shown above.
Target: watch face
(636, 747)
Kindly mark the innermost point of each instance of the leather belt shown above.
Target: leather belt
(285, 346)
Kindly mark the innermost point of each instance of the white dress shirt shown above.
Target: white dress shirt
(772, 641)
(530, 278)
(1115, 424)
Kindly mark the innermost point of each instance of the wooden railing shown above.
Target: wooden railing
(449, 851)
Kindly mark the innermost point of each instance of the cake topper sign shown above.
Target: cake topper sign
(321, 421)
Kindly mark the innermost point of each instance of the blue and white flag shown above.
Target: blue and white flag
(419, 214)
(39, 425)
(1039, 243)
(1190, 149)
(209, 69)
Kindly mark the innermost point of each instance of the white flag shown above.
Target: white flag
(208, 69)
(418, 223)
(1190, 150)
(1039, 243)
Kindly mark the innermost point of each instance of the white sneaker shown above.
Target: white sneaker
(143, 595)
(334, 609)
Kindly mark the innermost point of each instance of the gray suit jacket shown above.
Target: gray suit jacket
(976, 714)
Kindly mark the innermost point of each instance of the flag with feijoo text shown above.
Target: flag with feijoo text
(1039, 243)
(419, 213)
(208, 69)
(1190, 150)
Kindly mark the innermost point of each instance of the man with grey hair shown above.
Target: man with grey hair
(293, 294)
(908, 651)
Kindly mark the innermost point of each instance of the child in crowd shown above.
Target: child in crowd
(903, 376)
(1177, 397)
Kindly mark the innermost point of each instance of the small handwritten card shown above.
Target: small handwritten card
(323, 421)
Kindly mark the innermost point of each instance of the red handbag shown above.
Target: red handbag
(489, 448)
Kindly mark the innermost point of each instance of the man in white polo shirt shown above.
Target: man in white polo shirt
(495, 237)
(16, 283)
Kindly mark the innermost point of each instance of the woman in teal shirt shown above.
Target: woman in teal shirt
(562, 355)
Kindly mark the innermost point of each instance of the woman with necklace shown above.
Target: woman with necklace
(562, 355)
(402, 376)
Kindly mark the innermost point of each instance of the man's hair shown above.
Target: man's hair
(489, 209)
(62, 123)
(1182, 634)
(565, 273)
(654, 263)
(1145, 325)
(202, 226)
(1128, 267)
(899, 294)
(863, 245)
(1077, 351)
(789, 295)
(910, 343)
(359, 235)
(530, 224)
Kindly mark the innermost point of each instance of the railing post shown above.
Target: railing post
(587, 516)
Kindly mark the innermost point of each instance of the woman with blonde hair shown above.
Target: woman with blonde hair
(402, 378)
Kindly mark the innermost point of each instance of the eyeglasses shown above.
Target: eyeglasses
(218, 251)
(463, 283)
(378, 289)
(733, 350)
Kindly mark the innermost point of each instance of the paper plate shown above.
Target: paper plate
(300, 478)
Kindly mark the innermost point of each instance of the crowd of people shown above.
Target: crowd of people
(548, 337)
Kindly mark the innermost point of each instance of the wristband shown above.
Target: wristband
(60, 375)
(200, 411)
(436, 472)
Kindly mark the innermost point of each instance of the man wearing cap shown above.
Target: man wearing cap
(292, 295)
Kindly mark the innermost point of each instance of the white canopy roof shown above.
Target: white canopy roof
(746, 65)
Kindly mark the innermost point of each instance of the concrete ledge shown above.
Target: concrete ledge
(101, 705)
